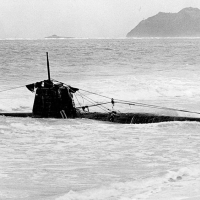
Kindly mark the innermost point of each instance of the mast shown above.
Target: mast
(48, 68)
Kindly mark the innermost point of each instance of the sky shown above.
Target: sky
(80, 18)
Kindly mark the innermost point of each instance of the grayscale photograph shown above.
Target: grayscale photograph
(99, 99)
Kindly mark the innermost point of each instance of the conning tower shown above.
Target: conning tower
(53, 99)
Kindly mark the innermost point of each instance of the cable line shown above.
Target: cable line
(12, 88)
(92, 101)
(139, 104)
(94, 105)
(77, 99)
(158, 107)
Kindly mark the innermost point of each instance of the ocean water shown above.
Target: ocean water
(81, 159)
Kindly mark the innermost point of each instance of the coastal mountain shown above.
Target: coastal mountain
(185, 23)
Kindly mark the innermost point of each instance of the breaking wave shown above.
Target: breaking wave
(138, 189)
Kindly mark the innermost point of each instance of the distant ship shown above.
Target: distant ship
(57, 37)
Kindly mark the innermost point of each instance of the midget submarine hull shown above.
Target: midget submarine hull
(54, 99)
(137, 118)
(122, 118)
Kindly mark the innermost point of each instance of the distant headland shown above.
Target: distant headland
(185, 23)
(57, 37)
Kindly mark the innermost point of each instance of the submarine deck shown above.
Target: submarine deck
(123, 118)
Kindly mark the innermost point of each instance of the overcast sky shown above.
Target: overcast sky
(80, 18)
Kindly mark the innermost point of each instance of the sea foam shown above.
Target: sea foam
(138, 189)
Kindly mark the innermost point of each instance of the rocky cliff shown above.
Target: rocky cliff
(185, 23)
